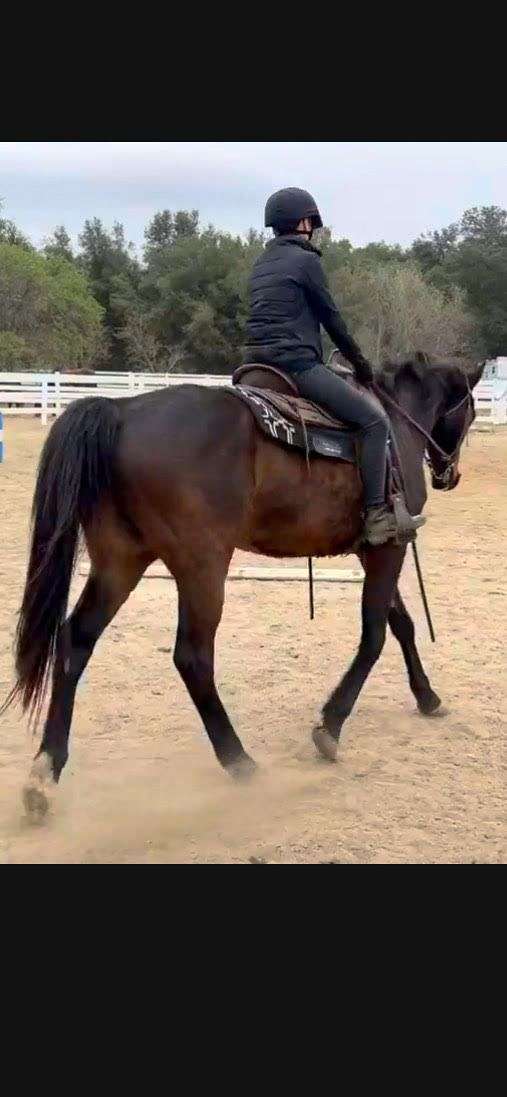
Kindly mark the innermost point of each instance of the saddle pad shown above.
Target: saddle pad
(297, 408)
(293, 421)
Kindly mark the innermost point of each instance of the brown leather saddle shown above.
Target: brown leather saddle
(287, 417)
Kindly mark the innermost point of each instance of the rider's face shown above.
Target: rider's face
(305, 226)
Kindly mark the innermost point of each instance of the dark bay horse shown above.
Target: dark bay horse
(184, 475)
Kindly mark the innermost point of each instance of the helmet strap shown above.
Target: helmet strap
(303, 232)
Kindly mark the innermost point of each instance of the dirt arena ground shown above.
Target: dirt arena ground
(142, 785)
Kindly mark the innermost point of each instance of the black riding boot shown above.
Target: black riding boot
(381, 524)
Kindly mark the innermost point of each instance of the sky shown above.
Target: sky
(391, 191)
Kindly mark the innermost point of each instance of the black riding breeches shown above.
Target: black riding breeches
(336, 395)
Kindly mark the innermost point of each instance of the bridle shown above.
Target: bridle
(446, 478)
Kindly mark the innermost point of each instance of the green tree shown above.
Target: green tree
(486, 225)
(15, 352)
(472, 255)
(47, 313)
(481, 272)
(166, 228)
(194, 291)
(58, 245)
(112, 270)
(394, 313)
(145, 352)
(337, 255)
(379, 253)
(479, 266)
(431, 250)
(10, 234)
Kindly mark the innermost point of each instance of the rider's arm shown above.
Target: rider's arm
(331, 319)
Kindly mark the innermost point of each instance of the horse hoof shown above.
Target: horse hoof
(326, 745)
(35, 802)
(35, 793)
(243, 769)
(436, 713)
(432, 707)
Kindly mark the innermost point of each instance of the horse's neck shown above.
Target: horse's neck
(422, 412)
(410, 443)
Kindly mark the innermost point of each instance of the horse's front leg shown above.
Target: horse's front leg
(382, 566)
(402, 627)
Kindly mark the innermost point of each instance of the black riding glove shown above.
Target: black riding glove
(363, 372)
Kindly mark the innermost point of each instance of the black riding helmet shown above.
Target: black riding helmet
(287, 207)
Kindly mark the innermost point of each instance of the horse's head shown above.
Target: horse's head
(432, 409)
(454, 414)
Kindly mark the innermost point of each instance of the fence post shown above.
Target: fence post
(44, 401)
(58, 406)
(500, 408)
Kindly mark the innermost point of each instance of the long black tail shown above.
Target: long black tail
(74, 473)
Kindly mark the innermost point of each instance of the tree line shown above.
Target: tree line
(182, 304)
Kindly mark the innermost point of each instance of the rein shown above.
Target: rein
(450, 458)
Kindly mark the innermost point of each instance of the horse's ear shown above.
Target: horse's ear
(454, 378)
(420, 368)
(475, 374)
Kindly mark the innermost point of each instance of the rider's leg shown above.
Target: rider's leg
(345, 402)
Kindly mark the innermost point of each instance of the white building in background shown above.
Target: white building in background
(496, 370)
(490, 394)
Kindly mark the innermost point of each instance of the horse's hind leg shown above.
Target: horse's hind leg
(402, 627)
(201, 588)
(103, 594)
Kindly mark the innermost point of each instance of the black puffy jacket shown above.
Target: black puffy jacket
(289, 300)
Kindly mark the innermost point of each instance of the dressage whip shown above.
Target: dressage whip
(398, 469)
(310, 586)
(423, 592)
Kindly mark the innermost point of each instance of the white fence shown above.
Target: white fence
(47, 394)
(490, 399)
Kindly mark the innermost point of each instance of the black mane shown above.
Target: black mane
(392, 374)
(452, 374)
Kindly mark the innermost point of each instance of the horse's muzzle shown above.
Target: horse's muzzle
(448, 484)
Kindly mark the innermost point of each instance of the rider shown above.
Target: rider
(289, 300)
